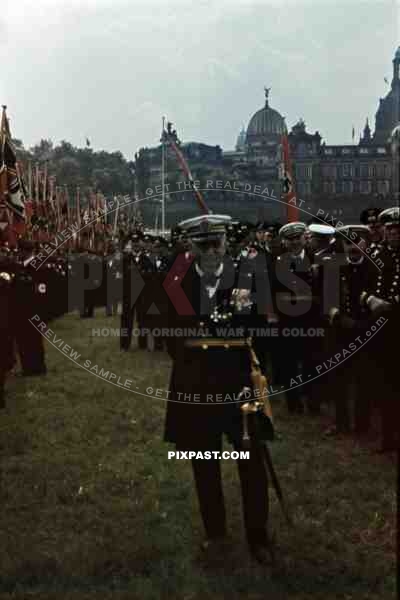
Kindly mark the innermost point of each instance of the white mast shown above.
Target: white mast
(163, 177)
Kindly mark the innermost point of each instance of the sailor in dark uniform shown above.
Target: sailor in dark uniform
(30, 290)
(318, 347)
(382, 298)
(349, 321)
(294, 308)
(112, 279)
(209, 372)
(136, 267)
(6, 327)
(90, 268)
(156, 302)
(370, 218)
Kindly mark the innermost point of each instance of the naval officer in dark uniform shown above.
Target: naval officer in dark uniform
(210, 369)
(349, 322)
(382, 298)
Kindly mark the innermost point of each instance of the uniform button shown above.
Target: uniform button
(226, 346)
(204, 346)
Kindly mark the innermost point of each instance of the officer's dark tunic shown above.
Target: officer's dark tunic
(351, 323)
(296, 306)
(210, 373)
(213, 374)
(384, 283)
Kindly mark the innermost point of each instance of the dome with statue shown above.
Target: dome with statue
(265, 123)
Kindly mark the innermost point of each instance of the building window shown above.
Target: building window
(308, 171)
(364, 170)
(328, 151)
(381, 150)
(345, 150)
(386, 170)
(329, 187)
(356, 186)
(347, 187)
(339, 187)
(365, 187)
(371, 171)
(363, 150)
(329, 171)
(347, 170)
(383, 187)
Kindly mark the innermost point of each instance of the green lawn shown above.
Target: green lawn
(92, 508)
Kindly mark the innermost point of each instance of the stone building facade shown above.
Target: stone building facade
(338, 181)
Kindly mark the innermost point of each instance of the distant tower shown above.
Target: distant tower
(366, 137)
(241, 141)
(396, 68)
(388, 113)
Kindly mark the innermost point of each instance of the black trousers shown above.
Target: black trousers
(254, 487)
(127, 321)
(30, 347)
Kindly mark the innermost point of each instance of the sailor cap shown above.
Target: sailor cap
(292, 230)
(206, 227)
(321, 230)
(347, 230)
(390, 216)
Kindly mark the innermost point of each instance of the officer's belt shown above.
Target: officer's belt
(205, 343)
(294, 296)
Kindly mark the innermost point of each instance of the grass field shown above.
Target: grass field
(92, 508)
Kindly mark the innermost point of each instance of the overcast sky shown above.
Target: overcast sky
(109, 69)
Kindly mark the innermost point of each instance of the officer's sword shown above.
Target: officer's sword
(276, 484)
(251, 407)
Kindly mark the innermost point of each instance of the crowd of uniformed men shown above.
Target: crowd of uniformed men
(300, 340)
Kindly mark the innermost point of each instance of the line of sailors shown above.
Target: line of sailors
(25, 293)
(293, 255)
(341, 337)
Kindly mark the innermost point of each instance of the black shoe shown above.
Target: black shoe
(34, 372)
(264, 554)
(214, 551)
(387, 449)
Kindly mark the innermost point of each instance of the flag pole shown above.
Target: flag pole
(288, 186)
(78, 210)
(163, 178)
(116, 219)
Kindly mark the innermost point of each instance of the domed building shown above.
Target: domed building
(264, 136)
(265, 125)
(339, 180)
